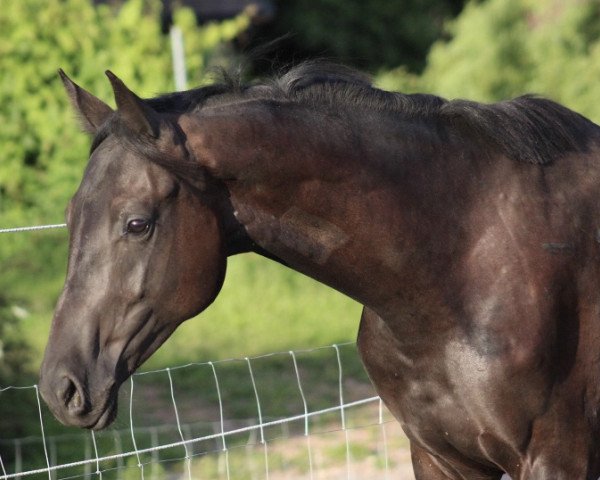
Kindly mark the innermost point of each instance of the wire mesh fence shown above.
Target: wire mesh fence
(192, 422)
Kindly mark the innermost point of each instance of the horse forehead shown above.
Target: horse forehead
(114, 170)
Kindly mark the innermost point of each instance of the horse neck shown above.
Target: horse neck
(312, 190)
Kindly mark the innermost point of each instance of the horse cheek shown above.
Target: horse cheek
(202, 265)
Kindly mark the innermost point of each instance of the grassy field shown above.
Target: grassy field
(263, 307)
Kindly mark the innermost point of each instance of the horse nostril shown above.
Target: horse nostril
(71, 395)
(76, 402)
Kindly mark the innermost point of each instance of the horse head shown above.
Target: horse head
(146, 252)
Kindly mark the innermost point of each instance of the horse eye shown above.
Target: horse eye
(138, 226)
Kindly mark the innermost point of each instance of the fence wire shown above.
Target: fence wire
(105, 462)
(32, 228)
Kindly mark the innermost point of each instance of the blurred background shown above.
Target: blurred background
(484, 50)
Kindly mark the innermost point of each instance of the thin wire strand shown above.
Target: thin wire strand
(229, 360)
(98, 471)
(301, 391)
(187, 453)
(340, 386)
(2, 466)
(30, 387)
(32, 228)
(37, 396)
(260, 418)
(221, 418)
(137, 452)
(310, 463)
(342, 411)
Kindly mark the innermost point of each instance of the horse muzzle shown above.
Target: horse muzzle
(74, 403)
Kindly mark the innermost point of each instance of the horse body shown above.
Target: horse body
(464, 356)
(477, 271)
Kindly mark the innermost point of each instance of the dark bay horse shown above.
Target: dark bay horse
(470, 233)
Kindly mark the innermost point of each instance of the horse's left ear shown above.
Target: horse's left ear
(138, 116)
(92, 111)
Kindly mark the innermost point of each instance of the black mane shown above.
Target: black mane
(527, 128)
(315, 83)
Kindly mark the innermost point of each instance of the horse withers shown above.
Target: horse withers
(469, 232)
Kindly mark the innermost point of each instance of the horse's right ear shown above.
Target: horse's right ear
(92, 111)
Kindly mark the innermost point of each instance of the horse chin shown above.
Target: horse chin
(106, 417)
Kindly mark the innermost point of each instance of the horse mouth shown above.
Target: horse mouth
(107, 416)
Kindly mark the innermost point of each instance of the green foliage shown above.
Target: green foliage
(497, 41)
(504, 48)
(37, 172)
(14, 353)
(13, 348)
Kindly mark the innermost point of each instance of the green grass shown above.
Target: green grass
(263, 307)
(197, 403)
(275, 379)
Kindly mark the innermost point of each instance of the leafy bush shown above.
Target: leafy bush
(42, 151)
(503, 48)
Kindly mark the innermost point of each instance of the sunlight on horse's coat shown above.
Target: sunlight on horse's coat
(468, 231)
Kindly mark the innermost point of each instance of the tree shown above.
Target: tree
(499, 49)
(370, 35)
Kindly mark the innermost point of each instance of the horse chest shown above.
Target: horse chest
(428, 385)
(409, 375)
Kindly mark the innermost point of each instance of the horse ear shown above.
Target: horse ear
(138, 116)
(92, 111)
